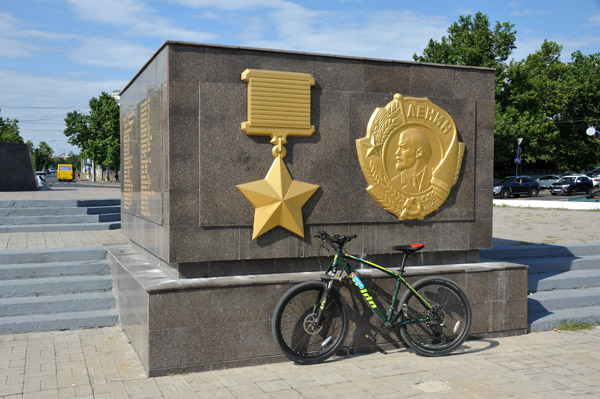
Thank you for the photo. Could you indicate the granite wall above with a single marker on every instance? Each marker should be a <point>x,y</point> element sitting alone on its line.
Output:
<point>184,153</point>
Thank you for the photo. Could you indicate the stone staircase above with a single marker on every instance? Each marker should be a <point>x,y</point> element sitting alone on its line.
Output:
<point>563,281</point>
<point>59,215</point>
<point>55,289</point>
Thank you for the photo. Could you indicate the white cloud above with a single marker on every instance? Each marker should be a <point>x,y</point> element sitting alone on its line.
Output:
<point>22,93</point>
<point>135,17</point>
<point>595,19</point>
<point>110,53</point>
<point>15,40</point>
<point>11,48</point>
<point>528,13</point>
<point>233,5</point>
<point>383,34</point>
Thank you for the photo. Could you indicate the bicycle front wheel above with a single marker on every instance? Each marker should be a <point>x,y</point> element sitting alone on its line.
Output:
<point>446,326</point>
<point>300,338</point>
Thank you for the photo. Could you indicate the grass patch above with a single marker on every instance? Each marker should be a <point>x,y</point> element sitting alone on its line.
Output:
<point>574,325</point>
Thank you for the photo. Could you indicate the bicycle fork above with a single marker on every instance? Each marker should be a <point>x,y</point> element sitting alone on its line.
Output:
<point>323,302</point>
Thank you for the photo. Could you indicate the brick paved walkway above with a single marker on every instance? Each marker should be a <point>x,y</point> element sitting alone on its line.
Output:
<point>100,363</point>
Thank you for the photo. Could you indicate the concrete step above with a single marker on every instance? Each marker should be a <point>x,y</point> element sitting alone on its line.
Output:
<point>49,255</point>
<point>557,265</point>
<point>509,253</point>
<point>95,210</point>
<point>549,301</point>
<point>565,280</point>
<point>99,202</point>
<point>54,269</point>
<point>58,321</point>
<point>550,320</point>
<point>61,227</point>
<point>48,304</point>
<point>58,203</point>
<point>59,219</point>
<point>54,286</point>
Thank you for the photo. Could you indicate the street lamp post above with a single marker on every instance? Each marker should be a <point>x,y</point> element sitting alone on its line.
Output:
<point>518,157</point>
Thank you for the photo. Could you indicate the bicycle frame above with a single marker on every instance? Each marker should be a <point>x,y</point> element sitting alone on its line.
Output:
<point>340,262</point>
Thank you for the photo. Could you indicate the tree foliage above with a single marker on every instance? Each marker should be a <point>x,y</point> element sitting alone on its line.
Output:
<point>9,131</point>
<point>541,99</point>
<point>550,104</point>
<point>43,156</point>
<point>470,41</point>
<point>97,134</point>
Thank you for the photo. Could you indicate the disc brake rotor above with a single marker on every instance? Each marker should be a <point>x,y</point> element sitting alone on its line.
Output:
<point>310,326</point>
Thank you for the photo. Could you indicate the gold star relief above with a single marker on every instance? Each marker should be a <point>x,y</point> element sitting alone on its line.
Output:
<point>277,200</point>
<point>373,147</point>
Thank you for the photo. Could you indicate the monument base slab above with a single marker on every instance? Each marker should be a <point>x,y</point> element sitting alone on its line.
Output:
<point>196,324</point>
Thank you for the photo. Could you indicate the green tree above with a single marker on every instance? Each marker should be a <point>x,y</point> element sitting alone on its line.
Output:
<point>541,99</point>
<point>9,131</point>
<point>576,150</point>
<point>43,156</point>
<point>97,134</point>
<point>529,101</point>
<point>550,104</point>
<point>472,42</point>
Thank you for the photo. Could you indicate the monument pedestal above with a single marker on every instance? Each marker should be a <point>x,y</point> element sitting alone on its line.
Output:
<point>196,288</point>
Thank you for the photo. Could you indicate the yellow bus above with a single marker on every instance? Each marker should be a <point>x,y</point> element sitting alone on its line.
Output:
<point>65,172</point>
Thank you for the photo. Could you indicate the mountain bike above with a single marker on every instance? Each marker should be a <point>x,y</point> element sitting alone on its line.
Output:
<point>310,321</point>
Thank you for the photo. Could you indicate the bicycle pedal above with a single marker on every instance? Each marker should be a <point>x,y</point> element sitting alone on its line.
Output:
<point>372,338</point>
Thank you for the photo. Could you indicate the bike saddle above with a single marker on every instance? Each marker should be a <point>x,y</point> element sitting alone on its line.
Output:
<point>408,249</point>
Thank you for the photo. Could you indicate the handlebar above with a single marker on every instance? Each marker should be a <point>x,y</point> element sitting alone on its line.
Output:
<point>336,241</point>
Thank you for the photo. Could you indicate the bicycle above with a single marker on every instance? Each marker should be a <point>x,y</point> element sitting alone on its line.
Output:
<point>310,321</point>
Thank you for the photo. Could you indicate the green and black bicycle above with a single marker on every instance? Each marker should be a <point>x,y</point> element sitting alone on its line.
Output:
<point>311,319</point>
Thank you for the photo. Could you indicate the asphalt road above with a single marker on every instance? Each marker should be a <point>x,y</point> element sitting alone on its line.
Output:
<point>545,195</point>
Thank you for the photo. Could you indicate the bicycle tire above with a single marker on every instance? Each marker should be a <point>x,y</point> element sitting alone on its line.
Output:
<point>301,341</point>
<point>436,338</point>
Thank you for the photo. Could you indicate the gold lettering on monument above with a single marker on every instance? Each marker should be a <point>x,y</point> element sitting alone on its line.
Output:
<point>411,156</point>
<point>145,159</point>
<point>128,122</point>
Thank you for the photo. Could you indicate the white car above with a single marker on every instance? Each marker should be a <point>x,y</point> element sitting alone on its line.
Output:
<point>546,181</point>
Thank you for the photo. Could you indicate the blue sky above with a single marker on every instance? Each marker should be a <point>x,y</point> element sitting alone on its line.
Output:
<point>57,54</point>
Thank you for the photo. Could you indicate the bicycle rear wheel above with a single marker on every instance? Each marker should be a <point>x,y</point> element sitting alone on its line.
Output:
<point>447,325</point>
<point>300,339</point>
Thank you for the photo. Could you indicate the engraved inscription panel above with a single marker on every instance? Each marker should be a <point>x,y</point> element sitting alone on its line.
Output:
<point>128,124</point>
<point>150,156</point>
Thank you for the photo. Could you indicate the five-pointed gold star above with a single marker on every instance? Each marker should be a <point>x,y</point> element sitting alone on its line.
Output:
<point>277,200</point>
<point>373,147</point>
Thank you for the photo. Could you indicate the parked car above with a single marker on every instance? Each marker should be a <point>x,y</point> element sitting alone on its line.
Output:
<point>46,172</point>
<point>546,181</point>
<point>52,170</point>
<point>595,179</point>
<point>39,177</point>
<point>512,185</point>
<point>594,171</point>
<point>572,184</point>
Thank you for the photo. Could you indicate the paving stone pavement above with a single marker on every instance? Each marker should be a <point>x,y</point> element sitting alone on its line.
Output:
<point>100,363</point>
